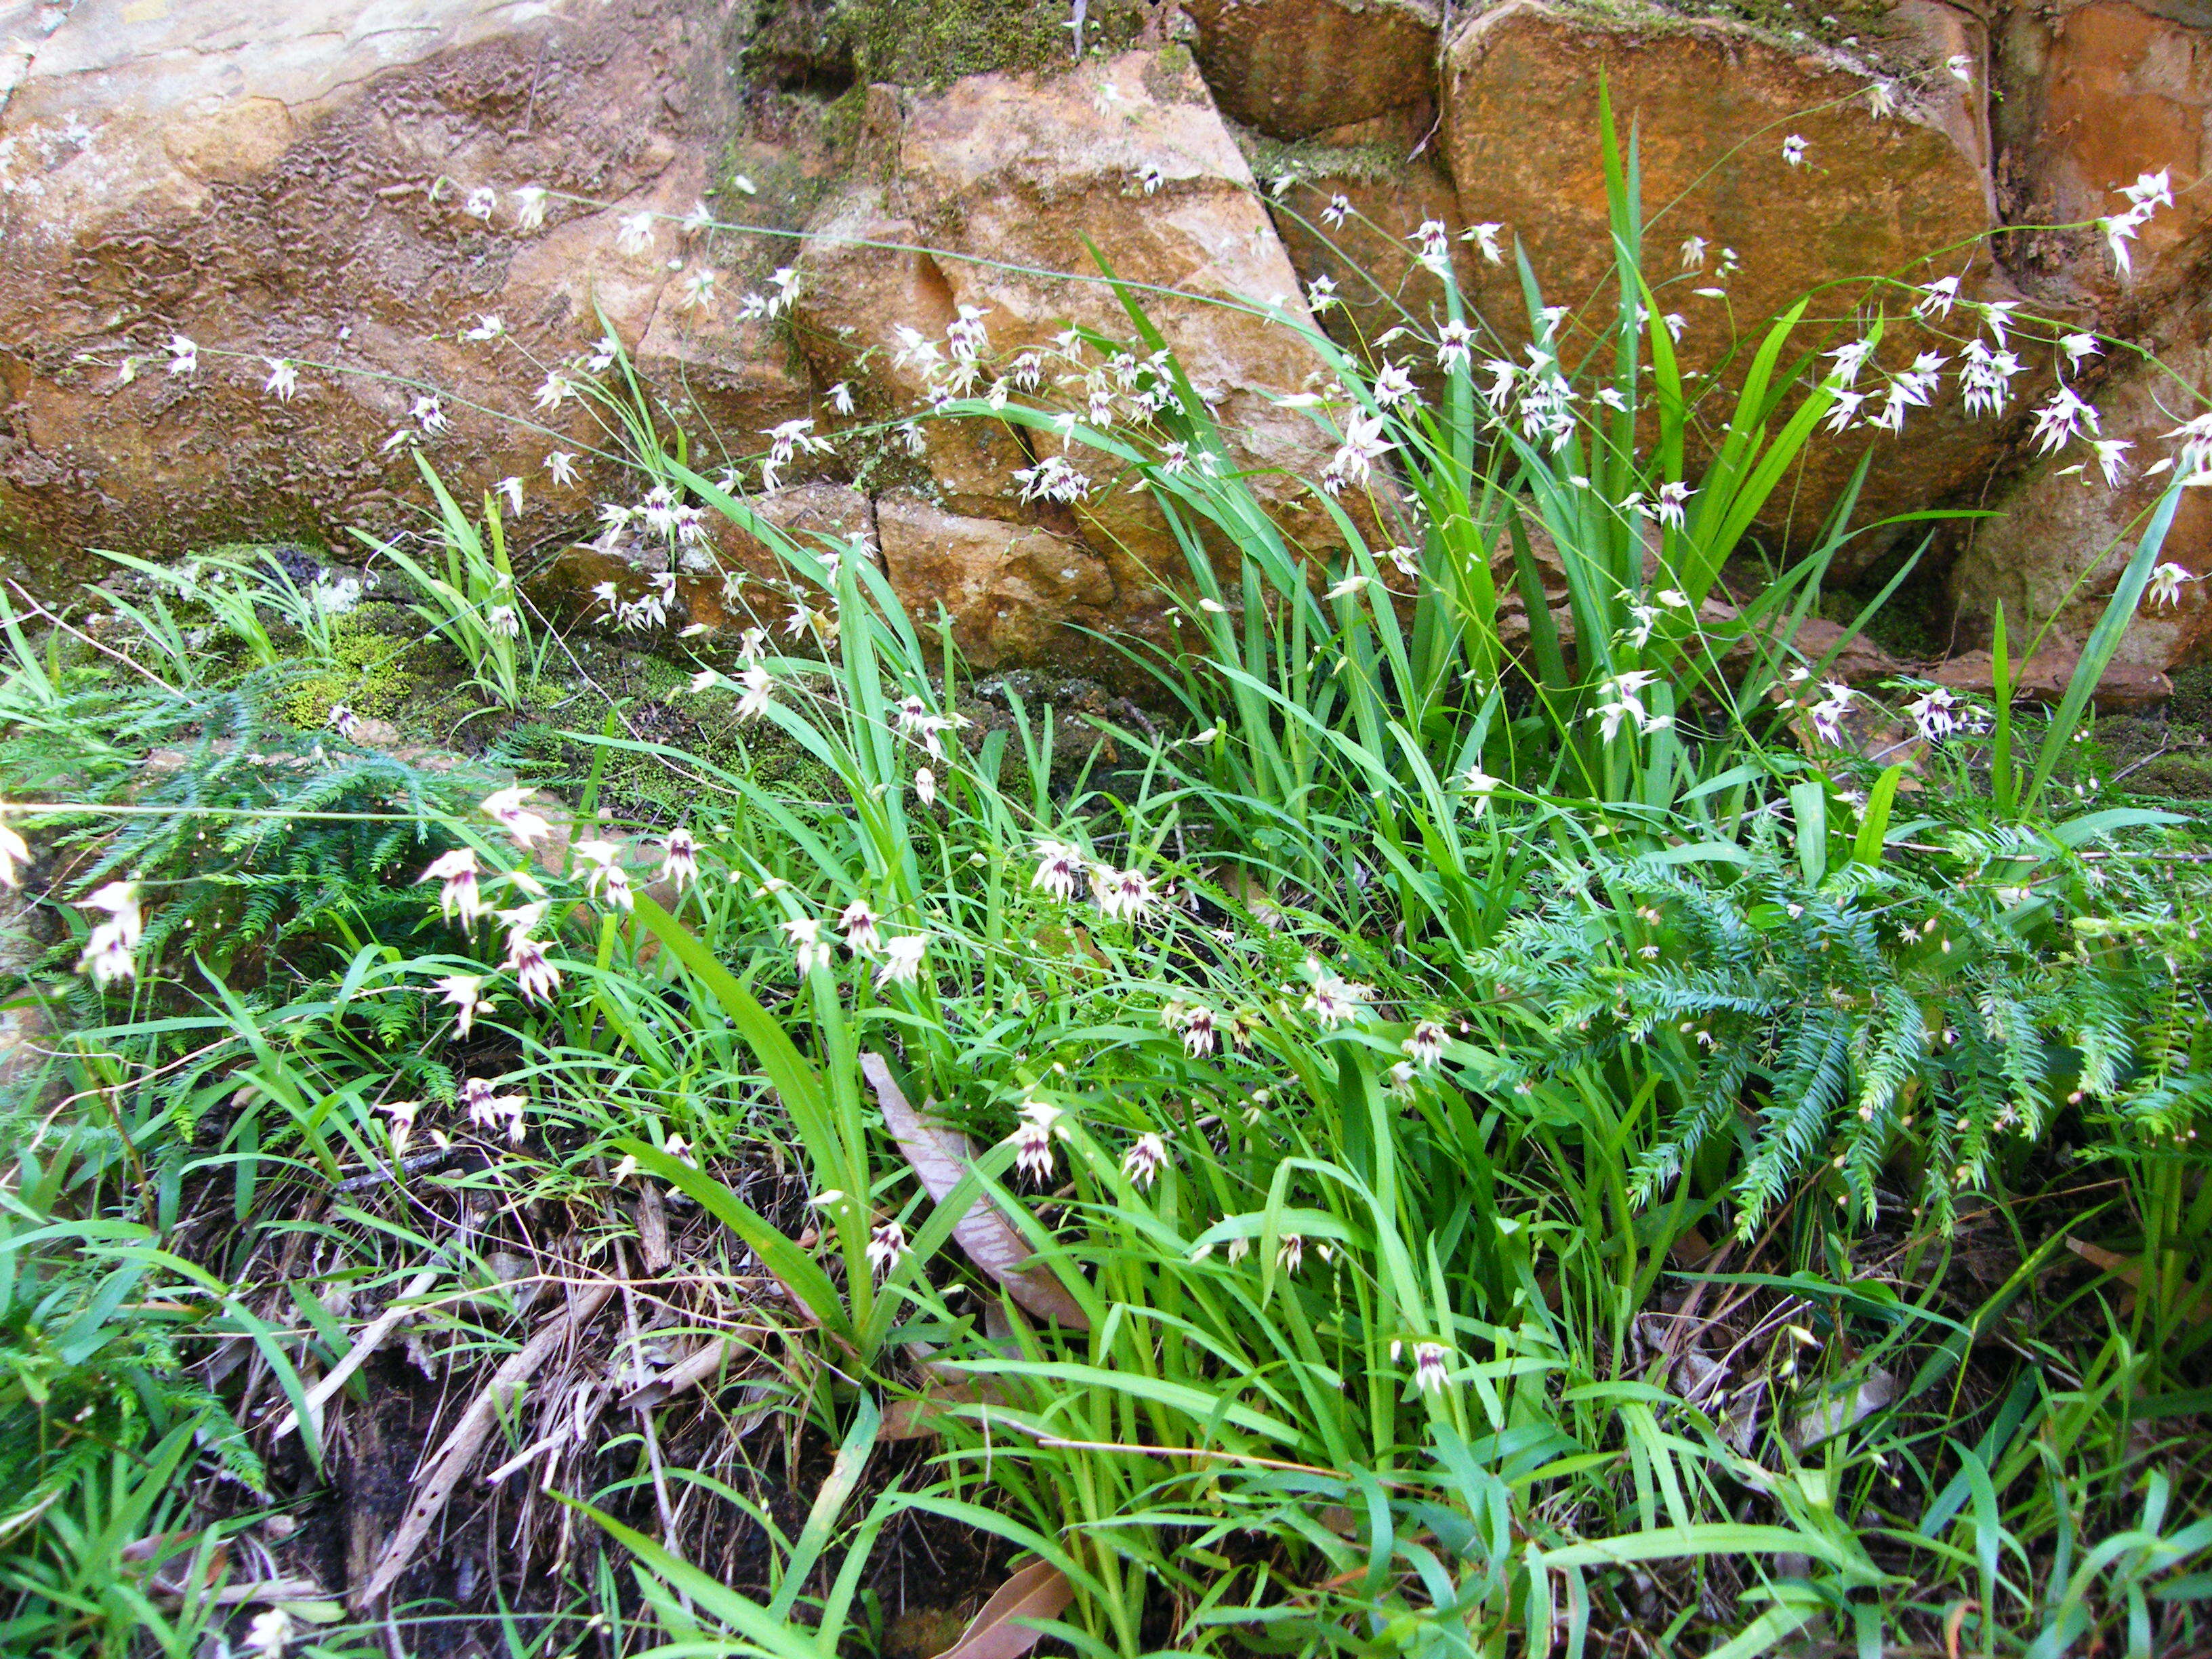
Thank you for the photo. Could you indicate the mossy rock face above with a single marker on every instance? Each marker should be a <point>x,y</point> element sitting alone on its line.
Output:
<point>929,45</point>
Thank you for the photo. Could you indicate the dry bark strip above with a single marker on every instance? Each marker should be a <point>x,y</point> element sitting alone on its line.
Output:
<point>461,1446</point>
<point>941,1158</point>
<point>370,1340</point>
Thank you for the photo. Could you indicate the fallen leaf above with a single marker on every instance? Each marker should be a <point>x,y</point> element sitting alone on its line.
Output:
<point>917,1418</point>
<point>1038,1591</point>
<point>1842,1409</point>
<point>2195,1303</point>
<point>941,1158</point>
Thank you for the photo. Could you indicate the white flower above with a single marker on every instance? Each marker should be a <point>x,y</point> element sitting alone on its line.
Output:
<point>1827,715</point>
<point>887,1245</point>
<point>2164,587</point>
<point>488,327</point>
<point>635,234</point>
<point>184,353</point>
<point>2109,451</point>
<point>1052,479</point>
<point>529,206</point>
<point>698,289</point>
<point>535,977</point>
<point>2078,346</point>
<point>14,850</point>
<point>1934,714</point>
<point>1200,1034</point>
<point>1333,1001</point>
<point>840,398</point>
<point>1426,1044</point>
<point>2119,230</point>
<point>1961,68</point>
<point>758,685</point>
<point>925,785</point>
<point>1144,1161</point>
<point>1291,1252</point>
<point>1985,379</point>
<point>1793,150</point>
<point>603,354</point>
<point>108,951</point>
<point>461,894</point>
<point>1123,895</point>
<point>464,992</point>
<point>1151,177</point>
<point>283,380</point>
<point>858,926</point>
<point>1672,505</point>
<point>1849,358</point>
<point>1059,867</point>
<point>607,880</point>
<point>698,219</point>
<point>1694,253</point>
<point>479,201</point>
<point>2195,437</point>
<point>1454,345</point>
<point>271,1631</point>
<point>1040,1127</point>
<point>1881,100</point>
<point>561,463</point>
<point>1394,386</point>
<point>430,415</point>
<point>902,960</point>
<point>1429,1363</point>
<point>1364,444</point>
<point>1347,588</point>
<point>809,949</point>
<point>403,1120</point>
<point>1321,293</point>
<point>2150,190</point>
<point>1435,245</point>
<point>487,1109</point>
<point>552,391</point>
<point>1338,209</point>
<point>505,807</point>
<point>679,859</point>
<point>2059,420</point>
<point>1479,784</point>
<point>106,956</point>
<point>1936,298</point>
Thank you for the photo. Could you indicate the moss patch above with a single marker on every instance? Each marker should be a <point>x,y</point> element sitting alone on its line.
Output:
<point>1271,159</point>
<point>927,45</point>
<point>370,672</point>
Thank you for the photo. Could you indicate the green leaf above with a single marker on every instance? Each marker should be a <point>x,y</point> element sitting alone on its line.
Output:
<point>777,1252</point>
<point>1874,818</point>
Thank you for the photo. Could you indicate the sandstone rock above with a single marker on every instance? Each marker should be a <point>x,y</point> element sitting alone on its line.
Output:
<point>1711,103</point>
<point>2062,536</point>
<point>1293,68</point>
<point>2096,95</point>
<point>1012,591</point>
<point>1371,257</point>
<point>335,187</point>
<point>1011,181</point>
<point>2125,688</point>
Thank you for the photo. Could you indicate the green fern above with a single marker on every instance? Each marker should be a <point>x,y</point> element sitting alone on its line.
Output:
<point>1885,1011</point>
